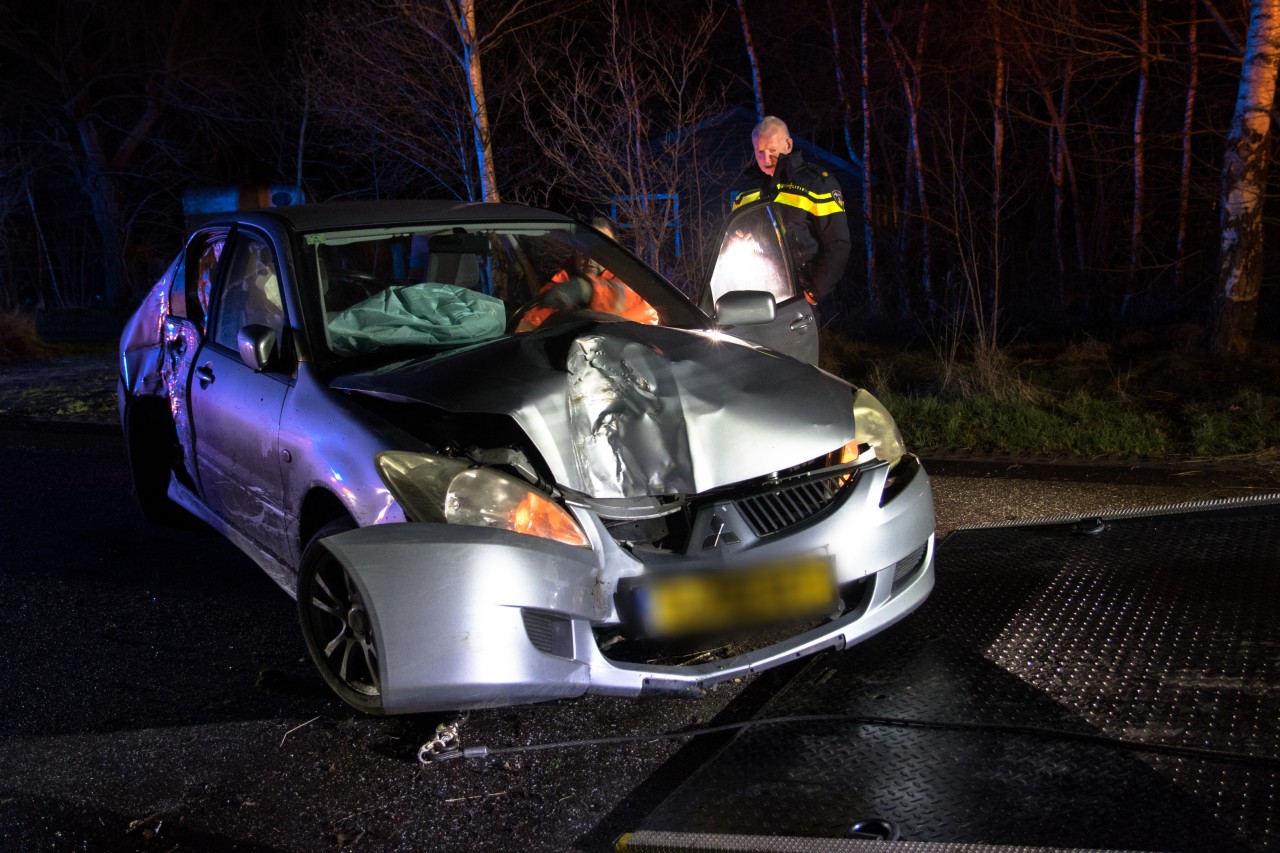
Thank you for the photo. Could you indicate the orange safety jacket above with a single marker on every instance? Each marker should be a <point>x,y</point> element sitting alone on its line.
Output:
<point>607,294</point>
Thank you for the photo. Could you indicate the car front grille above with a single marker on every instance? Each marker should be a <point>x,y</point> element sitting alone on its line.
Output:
<point>782,508</point>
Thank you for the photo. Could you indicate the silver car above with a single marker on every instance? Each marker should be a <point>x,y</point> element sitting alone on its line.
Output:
<point>499,460</point>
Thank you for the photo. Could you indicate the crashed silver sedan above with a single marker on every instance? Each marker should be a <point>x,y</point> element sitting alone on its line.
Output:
<point>499,460</point>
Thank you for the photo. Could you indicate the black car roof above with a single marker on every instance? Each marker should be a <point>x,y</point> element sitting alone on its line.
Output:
<point>375,214</point>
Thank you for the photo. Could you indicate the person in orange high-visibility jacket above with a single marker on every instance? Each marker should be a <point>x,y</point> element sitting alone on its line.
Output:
<point>811,205</point>
<point>591,286</point>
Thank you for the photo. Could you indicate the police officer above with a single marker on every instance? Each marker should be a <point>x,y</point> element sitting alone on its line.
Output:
<point>811,204</point>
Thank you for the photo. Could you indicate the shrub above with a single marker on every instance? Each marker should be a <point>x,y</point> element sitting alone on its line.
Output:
<point>18,337</point>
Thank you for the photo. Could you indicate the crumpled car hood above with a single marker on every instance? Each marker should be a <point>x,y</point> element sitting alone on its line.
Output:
<point>623,410</point>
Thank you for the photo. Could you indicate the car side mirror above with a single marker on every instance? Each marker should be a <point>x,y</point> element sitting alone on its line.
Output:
<point>746,308</point>
<point>256,343</point>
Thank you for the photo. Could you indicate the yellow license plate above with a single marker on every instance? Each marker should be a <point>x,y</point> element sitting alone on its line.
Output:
<point>713,601</point>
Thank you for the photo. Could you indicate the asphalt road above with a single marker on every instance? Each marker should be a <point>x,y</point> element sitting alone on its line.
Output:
<point>158,695</point>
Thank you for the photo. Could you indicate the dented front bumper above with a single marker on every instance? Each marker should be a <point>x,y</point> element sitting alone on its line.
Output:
<point>468,617</point>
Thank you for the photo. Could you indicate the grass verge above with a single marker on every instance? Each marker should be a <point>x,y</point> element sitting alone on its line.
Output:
<point>1151,395</point>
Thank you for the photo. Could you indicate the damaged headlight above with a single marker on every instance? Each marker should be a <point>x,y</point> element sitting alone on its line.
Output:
<point>436,488</point>
<point>874,426</point>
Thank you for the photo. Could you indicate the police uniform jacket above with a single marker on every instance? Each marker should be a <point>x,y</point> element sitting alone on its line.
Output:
<point>812,210</point>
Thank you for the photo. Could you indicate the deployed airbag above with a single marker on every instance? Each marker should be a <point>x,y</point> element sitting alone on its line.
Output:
<point>415,314</point>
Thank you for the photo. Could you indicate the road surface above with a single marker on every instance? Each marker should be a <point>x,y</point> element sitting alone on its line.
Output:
<point>158,692</point>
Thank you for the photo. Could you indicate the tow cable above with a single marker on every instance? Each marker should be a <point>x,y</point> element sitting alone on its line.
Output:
<point>446,745</point>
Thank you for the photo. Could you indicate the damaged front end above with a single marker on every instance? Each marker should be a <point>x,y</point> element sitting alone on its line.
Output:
<point>664,495</point>
<point>620,410</point>
<point>469,616</point>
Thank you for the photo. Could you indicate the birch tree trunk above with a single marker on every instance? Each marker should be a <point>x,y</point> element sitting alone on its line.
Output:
<point>464,17</point>
<point>1068,162</point>
<point>1061,164</point>
<point>997,169</point>
<point>1244,181</point>
<point>1057,171</point>
<point>302,135</point>
<point>909,77</point>
<point>925,217</point>
<point>868,228</point>
<point>1139,153</point>
<point>1184,185</point>
<point>755,65</point>
<point>842,88</point>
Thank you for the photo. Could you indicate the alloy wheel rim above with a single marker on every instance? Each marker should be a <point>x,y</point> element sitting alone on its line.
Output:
<point>343,631</point>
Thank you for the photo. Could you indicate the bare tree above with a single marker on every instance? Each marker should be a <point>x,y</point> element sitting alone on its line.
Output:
<point>972,316</point>
<point>462,14</point>
<point>997,153</point>
<point>751,57</point>
<point>842,87</point>
<point>1244,180</point>
<point>1139,152</point>
<point>874,301</point>
<point>79,60</point>
<point>618,123</point>
<point>132,101</point>
<point>1063,170</point>
<point>15,195</point>
<point>908,69</point>
<point>1188,118</point>
<point>1034,71</point>
<point>404,81</point>
<point>1226,29</point>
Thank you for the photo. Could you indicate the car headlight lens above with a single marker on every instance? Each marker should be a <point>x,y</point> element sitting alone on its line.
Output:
<point>436,488</point>
<point>874,426</point>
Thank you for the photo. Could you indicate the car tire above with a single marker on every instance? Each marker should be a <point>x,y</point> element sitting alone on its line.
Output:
<point>336,624</point>
<point>152,445</point>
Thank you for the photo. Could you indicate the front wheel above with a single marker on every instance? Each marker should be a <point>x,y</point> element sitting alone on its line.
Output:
<point>338,626</point>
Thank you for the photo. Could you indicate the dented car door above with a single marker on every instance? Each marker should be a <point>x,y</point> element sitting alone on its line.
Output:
<point>235,407</point>
<point>183,336</point>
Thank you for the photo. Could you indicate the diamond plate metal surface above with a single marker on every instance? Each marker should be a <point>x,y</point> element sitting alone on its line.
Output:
<point>680,842</point>
<point>1113,689</point>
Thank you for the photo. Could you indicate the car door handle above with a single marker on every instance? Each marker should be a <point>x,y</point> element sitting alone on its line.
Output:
<point>205,372</point>
<point>799,324</point>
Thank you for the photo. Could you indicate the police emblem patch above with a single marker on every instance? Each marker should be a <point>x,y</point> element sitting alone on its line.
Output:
<point>838,197</point>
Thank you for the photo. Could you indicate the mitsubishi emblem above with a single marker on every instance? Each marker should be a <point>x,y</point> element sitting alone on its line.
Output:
<point>720,533</point>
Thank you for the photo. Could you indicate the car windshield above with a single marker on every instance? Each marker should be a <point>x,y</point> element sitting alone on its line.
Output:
<point>449,285</point>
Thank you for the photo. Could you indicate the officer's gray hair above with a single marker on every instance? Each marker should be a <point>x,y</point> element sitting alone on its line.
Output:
<point>770,124</point>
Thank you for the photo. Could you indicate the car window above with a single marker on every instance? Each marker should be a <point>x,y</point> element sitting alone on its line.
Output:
<point>752,257</point>
<point>191,289</point>
<point>250,293</point>
<point>452,285</point>
<point>177,295</point>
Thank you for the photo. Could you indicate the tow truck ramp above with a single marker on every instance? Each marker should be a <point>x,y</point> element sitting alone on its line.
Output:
<point>1105,682</point>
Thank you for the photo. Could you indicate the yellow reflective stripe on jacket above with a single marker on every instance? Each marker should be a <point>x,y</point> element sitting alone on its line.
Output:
<point>818,205</point>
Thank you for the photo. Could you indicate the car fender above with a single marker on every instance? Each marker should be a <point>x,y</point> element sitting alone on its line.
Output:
<point>448,605</point>
<point>328,442</point>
